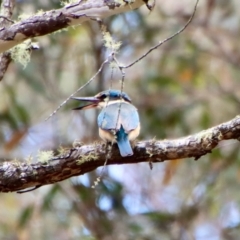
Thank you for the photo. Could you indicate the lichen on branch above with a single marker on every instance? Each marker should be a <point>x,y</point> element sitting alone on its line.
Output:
<point>86,158</point>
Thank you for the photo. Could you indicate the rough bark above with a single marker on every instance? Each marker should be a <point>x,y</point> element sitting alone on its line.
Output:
<point>15,176</point>
<point>71,15</point>
<point>7,7</point>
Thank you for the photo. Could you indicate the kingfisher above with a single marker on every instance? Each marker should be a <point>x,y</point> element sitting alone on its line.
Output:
<point>118,120</point>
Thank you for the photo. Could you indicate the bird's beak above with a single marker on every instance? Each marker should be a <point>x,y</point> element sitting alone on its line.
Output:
<point>93,102</point>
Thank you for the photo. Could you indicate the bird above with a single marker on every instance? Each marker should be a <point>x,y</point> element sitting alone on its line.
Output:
<point>118,120</point>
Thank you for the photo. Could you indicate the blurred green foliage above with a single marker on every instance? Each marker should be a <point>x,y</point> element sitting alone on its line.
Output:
<point>189,84</point>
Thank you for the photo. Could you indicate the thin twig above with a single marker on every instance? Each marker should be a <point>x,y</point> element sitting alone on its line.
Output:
<point>5,18</point>
<point>79,89</point>
<point>165,40</point>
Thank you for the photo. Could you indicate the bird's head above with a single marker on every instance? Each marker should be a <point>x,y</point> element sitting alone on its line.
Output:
<point>103,99</point>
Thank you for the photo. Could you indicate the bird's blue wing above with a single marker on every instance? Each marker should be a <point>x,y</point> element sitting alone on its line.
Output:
<point>113,118</point>
<point>120,118</point>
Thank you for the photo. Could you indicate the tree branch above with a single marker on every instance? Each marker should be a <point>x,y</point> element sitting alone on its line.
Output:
<point>16,176</point>
<point>7,9</point>
<point>71,15</point>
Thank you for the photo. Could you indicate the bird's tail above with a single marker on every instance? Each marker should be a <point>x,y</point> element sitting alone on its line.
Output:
<point>123,143</point>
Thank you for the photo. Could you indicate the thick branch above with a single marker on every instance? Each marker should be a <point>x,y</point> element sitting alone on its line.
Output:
<point>71,15</point>
<point>80,160</point>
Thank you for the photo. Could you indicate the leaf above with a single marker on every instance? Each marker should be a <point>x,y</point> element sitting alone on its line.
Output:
<point>25,216</point>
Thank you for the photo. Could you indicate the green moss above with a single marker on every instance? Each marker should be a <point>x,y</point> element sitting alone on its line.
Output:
<point>86,158</point>
<point>109,42</point>
<point>21,53</point>
<point>44,156</point>
<point>68,2</point>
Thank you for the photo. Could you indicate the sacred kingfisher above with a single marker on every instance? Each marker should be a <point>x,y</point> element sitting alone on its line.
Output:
<point>118,120</point>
